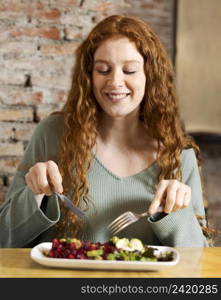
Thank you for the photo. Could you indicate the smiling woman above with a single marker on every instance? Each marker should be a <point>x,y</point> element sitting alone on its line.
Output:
<point>118,77</point>
<point>117,145</point>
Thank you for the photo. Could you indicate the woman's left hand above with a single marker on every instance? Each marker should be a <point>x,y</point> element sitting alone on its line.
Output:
<point>171,195</point>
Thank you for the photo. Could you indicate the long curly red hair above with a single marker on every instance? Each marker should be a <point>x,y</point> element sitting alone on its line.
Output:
<point>159,111</point>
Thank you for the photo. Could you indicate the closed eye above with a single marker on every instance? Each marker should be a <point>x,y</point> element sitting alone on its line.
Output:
<point>108,71</point>
<point>103,72</point>
<point>129,72</point>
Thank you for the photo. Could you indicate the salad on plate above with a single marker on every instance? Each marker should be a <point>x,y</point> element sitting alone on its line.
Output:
<point>116,249</point>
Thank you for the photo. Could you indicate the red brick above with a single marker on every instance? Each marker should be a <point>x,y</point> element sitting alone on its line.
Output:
<point>16,6</point>
<point>47,96</point>
<point>22,114</point>
<point>48,33</point>
<point>104,6</point>
<point>51,15</point>
<point>20,48</point>
<point>32,96</point>
<point>148,6</point>
<point>36,10</point>
<point>9,165</point>
<point>49,80</point>
<point>107,6</point>
<point>20,96</point>
<point>76,18</point>
<point>53,96</point>
<point>10,149</point>
<point>64,3</point>
<point>63,49</point>
<point>16,131</point>
<point>74,33</point>
<point>61,96</point>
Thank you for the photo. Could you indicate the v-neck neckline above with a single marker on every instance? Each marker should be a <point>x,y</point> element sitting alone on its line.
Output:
<point>152,165</point>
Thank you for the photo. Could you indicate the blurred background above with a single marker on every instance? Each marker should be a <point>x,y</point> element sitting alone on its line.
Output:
<point>38,40</point>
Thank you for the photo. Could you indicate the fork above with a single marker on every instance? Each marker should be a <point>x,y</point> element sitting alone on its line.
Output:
<point>125,220</point>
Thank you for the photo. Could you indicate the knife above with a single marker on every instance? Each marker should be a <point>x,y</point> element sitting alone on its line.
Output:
<point>70,205</point>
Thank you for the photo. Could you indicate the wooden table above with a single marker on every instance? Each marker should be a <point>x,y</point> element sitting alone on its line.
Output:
<point>194,262</point>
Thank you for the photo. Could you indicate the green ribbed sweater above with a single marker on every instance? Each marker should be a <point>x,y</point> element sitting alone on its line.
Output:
<point>24,224</point>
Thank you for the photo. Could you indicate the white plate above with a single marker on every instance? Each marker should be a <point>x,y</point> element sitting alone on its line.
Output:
<point>38,256</point>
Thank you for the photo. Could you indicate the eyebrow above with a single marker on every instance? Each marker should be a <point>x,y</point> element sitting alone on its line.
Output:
<point>125,61</point>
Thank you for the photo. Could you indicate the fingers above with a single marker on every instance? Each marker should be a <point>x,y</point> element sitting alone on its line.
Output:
<point>33,186</point>
<point>187,197</point>
<point>54,176</point>
<point>178,196</point>
<point>172,194</point>
<point>179,201</point>
<point>44,178</point>
<point>171,198</point>
<point>158,198</point>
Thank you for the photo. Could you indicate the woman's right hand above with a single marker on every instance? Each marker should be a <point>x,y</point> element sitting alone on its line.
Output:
<point>44,178</point>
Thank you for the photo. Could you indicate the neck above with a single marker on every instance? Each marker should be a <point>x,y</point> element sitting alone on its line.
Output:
<point>120,132</point>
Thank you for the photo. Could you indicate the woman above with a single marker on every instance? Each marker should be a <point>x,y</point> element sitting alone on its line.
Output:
<point>117,145</point>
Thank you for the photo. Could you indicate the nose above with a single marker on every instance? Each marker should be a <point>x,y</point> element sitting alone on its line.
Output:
<point>115,78</point>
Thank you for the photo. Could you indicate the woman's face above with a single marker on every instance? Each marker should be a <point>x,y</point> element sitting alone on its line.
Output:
<point>118,77</point>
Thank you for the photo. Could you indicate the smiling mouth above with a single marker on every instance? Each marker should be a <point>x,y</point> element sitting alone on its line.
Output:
<point>117,96</point>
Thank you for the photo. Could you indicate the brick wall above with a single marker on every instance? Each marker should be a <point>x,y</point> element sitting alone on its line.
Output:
<point>37,45</point>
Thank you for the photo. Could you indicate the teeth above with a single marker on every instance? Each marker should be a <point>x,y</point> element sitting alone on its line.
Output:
<point>117,96</point>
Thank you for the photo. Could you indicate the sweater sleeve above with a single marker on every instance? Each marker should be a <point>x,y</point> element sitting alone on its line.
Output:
<point>21,219</point>
<point>181,228</point>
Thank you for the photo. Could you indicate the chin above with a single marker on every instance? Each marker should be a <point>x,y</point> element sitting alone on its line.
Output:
<point>118,114</point>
